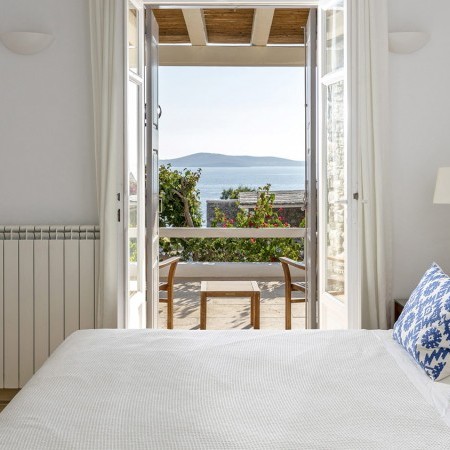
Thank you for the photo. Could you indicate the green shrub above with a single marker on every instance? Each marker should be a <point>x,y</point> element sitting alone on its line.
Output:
<point>233,193</point>
<point>181,207</point>
<point>256,250</point>
<point>180,197</point>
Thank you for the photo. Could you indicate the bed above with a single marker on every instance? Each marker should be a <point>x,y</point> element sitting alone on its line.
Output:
<point>142,389</point>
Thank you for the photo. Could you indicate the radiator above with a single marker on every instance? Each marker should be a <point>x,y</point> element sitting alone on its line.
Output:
<point>48,285</point>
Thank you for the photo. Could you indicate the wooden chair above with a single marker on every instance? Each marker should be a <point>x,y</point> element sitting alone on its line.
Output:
<point>168,287</point>
<point>290,287</point>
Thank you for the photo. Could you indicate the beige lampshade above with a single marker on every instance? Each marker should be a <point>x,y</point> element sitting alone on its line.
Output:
<point>442,190</point>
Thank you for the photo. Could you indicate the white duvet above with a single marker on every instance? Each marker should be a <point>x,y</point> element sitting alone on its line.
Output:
<point>115,389</point>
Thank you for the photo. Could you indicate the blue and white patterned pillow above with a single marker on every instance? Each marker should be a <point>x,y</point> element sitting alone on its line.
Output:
<point>423,328</point>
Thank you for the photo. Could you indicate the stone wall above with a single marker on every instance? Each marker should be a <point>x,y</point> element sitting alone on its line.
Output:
<point>229,207</point>
<point>335,160</point>
<point>293,216</point>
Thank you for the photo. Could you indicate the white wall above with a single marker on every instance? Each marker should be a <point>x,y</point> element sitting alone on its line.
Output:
<point>420,142</point>
<point>46,133</point>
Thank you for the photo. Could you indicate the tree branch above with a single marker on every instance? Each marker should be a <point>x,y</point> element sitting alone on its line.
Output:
<point>186,209</point>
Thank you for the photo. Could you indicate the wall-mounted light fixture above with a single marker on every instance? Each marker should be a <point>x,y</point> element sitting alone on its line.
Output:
<point>26,42</point>
<point>407,41</point>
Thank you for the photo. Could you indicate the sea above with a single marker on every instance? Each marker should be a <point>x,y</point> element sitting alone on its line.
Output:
<point>215,179</point>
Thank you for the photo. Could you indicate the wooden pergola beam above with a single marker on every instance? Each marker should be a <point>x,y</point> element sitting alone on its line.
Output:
<point>231,56</point>
<point>195,25</point>
<point>262,23</point>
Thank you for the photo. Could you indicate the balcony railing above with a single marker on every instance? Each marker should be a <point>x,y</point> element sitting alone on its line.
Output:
<point>231,270</point>
<point>218,232</point>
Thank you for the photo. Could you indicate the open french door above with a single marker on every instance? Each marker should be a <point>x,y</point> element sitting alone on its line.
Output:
<point>339,293</point>
<point>311,168</point>
<point>152,170</point>
<point>134,169</point>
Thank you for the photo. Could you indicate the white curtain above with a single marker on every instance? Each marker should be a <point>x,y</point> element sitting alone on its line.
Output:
<point>107,66</point>
<point>370,84</point>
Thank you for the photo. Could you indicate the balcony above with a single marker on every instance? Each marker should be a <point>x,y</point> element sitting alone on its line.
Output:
<point>231,313</point>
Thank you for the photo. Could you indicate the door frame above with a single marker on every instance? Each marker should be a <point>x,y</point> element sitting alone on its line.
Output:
<point>123,216</point>
<point>151,33</point>
<point>232,4</point>
<point>352,280</point>
<point>311,166</point>
<point>244,4</point>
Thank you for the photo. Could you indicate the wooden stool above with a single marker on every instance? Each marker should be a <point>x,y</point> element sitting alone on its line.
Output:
<point>231,289</point>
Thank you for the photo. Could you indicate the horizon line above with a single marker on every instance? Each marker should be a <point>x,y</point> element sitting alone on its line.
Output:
<point>233,156</point>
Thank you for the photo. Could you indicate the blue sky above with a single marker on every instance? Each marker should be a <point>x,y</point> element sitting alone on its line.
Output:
<point>232,110</point>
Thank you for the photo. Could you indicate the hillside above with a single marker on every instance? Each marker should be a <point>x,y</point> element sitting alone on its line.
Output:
<point>218,160</point>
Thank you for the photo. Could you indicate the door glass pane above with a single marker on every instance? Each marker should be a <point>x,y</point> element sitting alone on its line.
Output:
<point>334,58</point>
<point>133,189</point>
<point>133,39</point>
<point>335,174</point>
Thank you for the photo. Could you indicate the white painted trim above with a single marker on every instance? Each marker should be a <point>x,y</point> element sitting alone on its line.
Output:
<point>152,186</point>
<point>230,270</point>
<point>233,4</point>
<point>278,206</point>
<point>333,77</point>
<point>333,313</point>
<point>195,24</point>
<point>138,80</point>
<point>354,233</point>
<point>232,56</point>
<point>122,168</point>
<point>187,233</point>
<point>262,23</point>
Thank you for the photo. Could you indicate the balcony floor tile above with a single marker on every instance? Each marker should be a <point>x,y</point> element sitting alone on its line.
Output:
<point>231,313</point>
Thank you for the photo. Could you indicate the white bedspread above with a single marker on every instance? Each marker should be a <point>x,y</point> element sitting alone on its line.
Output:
<point>112,389</point>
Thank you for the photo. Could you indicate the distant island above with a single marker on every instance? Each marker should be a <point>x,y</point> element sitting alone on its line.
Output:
<point>218,160</point>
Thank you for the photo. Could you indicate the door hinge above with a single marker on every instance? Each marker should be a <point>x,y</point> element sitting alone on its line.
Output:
<point>118,215</point>
<point>356,196</point>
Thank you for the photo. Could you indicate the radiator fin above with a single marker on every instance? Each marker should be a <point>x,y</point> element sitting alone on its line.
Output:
<point>11,312</point>
<point>26,311</point>
<point>56,293</point>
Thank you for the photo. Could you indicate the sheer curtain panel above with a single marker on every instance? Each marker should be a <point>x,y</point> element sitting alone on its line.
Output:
<point>107,59</point>
<point>370,85</point>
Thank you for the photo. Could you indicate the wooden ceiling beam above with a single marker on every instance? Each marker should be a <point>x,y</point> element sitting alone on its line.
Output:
<point>195,24</point>
<point>262,23</point>
<point>231,56</point>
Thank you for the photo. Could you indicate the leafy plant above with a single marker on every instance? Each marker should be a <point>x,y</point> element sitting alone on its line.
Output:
<point>233,193</point>
<point>262,249</point>
<point>229,249</point>
<point>180,197</point>
<point>180,207</point>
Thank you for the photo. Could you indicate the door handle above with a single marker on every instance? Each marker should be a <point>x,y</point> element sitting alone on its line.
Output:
<point>159,112</point>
